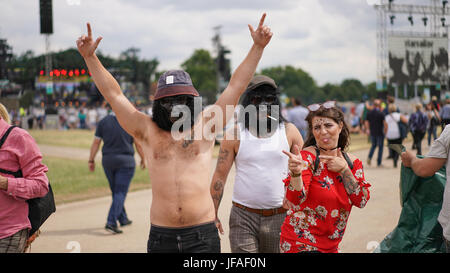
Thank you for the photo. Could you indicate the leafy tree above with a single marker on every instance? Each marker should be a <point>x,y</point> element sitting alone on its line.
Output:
<point>202,69</point>
<point>294,82</point>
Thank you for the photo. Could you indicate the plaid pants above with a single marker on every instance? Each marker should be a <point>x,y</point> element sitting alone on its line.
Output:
<point>14,243</point>
<point>254,233</point>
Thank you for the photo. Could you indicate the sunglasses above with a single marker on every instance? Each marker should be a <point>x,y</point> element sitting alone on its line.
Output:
<point>326,105</point>
<point>257,99</point>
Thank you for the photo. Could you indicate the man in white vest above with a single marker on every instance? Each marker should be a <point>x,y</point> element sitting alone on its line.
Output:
<point>255,145</point>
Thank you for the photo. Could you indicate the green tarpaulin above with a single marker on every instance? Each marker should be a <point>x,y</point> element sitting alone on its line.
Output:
<point>418,230</point>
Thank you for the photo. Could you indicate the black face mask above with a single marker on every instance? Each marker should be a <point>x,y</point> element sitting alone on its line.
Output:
<point>264,100</point>
<point>162,110</point>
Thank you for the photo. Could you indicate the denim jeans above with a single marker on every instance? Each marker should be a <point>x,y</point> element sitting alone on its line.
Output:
<point>119,181</point>
<point>377,141</point>
<point>432,131</point>
<point>417,137</point>
<point>197,239</point>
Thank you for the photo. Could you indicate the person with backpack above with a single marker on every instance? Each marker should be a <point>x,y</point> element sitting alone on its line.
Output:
<point>18,152</point>
<point>393,131</point>
<point>418,122</point>
<point>323,185</point>
<point>434,121</point>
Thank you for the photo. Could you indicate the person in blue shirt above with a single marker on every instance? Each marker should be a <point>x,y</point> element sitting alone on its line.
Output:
<point>118,164</point>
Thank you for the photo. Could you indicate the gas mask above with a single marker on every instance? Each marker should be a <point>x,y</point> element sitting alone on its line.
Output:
<point>267,105</point>
<point>168,110</point>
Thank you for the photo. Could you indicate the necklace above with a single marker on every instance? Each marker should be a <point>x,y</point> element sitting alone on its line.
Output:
<point>327,150</point>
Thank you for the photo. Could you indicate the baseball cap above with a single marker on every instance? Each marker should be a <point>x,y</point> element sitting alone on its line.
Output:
<point>175,82</point>
<point>259,80</point>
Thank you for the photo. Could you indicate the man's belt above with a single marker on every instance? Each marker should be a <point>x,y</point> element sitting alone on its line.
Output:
<point>263,212</point>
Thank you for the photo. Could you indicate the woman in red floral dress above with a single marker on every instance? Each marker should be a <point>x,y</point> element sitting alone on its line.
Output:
<point>323,185</point>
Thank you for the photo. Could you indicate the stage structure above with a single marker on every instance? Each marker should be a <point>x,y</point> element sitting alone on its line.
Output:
<point>412,46</point>
<point>46,23</point>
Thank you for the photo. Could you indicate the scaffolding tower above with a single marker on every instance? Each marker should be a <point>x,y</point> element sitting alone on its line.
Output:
<point>437,11</point>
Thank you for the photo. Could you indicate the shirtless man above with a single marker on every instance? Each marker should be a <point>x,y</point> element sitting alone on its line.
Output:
<point>182,212</point>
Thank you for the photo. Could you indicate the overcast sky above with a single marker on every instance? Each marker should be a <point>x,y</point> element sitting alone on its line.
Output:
<point>330,39</point>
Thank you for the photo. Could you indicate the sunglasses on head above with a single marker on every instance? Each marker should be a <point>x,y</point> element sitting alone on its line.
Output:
<point>326,105</point>
<point>258,99</point>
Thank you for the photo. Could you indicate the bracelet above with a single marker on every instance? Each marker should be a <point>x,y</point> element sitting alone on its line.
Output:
<point>91,161</point>
<point>295,175</point>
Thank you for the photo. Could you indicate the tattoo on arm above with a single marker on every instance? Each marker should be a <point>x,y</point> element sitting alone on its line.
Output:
<point>350,183</point>
<point>218,192</point>
<point>187,142</point>
<point>223,155</point>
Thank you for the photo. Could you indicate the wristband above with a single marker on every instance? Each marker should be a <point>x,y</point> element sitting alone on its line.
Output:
<point>295,175</point>
<point>91,161</point>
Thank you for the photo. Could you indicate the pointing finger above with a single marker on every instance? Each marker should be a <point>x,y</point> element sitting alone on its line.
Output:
<point>288,154</point>
<point>89,30</point>
<point>261,22</point>
<point>326,157</point>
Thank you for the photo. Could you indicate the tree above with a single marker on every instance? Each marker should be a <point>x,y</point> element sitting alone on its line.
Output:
<point>352,89</point>
<point>135,69</point>
<point>202,69</point>
<point>294,82</point>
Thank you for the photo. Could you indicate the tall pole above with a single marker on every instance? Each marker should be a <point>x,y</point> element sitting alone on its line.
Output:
<point>218,48</point>
<point>48,65</point>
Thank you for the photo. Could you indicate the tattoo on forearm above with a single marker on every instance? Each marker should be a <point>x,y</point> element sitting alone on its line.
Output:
<point>350,183</point>
<point>223,155</point>
<point>218,192</point>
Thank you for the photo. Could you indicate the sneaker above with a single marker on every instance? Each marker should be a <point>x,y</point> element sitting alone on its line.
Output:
<point>126,223</point>
<point>113,229</point>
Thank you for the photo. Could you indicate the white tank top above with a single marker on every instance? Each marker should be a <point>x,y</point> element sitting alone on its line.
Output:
<point>261,167</point>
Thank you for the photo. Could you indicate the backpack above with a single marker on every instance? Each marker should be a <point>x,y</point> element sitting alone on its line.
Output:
<point>39,209</point>
<point>419,122</point>
<point>402,128</point>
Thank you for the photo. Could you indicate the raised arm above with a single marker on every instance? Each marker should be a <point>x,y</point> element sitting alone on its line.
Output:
<point>244,73</point>
<point>128,116</point>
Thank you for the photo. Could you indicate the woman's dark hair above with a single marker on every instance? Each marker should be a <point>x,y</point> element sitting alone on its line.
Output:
<point>161,116</point>
<point>335,114</point>
<point>260,90</point>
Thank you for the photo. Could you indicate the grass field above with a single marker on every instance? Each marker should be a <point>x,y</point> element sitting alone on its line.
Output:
<point>72,181</point>
<point>67,138</point>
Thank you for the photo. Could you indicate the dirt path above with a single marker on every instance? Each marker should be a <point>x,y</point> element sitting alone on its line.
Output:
<point>79,226</point>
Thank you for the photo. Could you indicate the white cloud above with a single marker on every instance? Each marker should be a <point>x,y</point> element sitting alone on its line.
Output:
<point>331,40</point>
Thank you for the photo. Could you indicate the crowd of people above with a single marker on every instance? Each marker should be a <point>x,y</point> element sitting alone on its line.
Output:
<point>308,151</point>
<point>71,115</point>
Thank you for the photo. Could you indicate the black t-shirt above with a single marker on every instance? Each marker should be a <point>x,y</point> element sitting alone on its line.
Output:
<point>118,148</point>
<point>376,118</point>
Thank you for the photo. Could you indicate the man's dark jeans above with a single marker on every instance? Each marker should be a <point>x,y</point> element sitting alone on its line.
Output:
<point>196,239</point>
<point>377,141</point>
